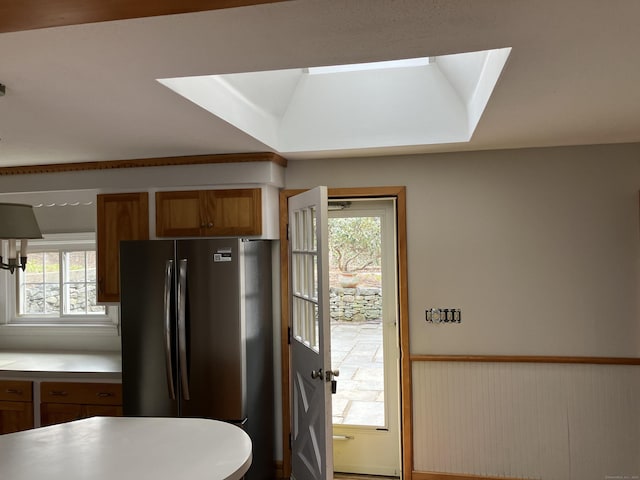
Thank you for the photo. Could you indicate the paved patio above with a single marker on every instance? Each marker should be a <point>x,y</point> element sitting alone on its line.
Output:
<point>356,350</point>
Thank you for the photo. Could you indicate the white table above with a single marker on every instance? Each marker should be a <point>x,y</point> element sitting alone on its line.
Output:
<point>103,448</point>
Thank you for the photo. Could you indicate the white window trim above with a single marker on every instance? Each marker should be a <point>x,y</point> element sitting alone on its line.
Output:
<point>12,324</point>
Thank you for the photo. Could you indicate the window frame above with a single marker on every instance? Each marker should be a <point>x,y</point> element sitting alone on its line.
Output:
<point>61,243</point>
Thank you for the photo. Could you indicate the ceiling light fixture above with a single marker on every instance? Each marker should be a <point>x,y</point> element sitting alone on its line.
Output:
<point>407,62</point>
<point>17,222</point>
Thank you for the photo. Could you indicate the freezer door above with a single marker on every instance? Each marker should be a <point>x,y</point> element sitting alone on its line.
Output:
<point>147,312</point>
<point>212,336</point>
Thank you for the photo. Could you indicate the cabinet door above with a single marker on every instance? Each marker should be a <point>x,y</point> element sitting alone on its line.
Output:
<point>209,213</point>
<point>16,407</point>
<point>121,216</point>
<point>15,416</point>
<point>53,413</point>
<point>179,214</point>
<point>102,411</point>
<point>235,212</point>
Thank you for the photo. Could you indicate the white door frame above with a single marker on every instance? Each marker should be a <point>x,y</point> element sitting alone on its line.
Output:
<point>284,470</point>
<point>368,449</point>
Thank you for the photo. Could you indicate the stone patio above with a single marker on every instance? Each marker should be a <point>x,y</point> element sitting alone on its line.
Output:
<point>356,350</point>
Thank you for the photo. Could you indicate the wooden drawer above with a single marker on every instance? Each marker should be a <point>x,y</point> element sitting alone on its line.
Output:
<point>81,393</point>
<point>16,390</point>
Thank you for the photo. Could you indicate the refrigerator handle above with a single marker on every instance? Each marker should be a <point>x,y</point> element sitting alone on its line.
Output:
<point>167,328</point>
<point>182,330</point>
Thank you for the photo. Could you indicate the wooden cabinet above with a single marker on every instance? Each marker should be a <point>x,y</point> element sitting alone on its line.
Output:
<point>121,216</point>
<point>16,406</point>
<point>205,213</point>
<point>67,401</point>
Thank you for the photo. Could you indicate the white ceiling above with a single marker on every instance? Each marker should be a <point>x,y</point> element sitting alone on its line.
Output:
<point>89,92</point>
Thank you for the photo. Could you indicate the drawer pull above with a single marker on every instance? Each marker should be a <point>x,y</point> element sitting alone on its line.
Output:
<point>104,394</point>
<point>13,391</point>
<point>58,393</point>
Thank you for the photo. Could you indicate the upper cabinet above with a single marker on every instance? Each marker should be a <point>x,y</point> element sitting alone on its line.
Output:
<point>204,213</point>
<point>121,216</point>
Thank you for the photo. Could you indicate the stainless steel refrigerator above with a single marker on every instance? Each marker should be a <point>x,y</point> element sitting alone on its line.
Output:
<point>196,325</point>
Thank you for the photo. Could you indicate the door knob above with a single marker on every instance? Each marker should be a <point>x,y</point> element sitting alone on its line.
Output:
<point>316,374</point>
<point>330,374</point>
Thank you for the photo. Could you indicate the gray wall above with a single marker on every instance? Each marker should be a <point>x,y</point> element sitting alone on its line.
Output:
<point>540,248</point>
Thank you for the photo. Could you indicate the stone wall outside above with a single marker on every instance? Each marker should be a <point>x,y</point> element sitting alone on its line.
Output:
<point>36,301</point>
<point>357,304</point>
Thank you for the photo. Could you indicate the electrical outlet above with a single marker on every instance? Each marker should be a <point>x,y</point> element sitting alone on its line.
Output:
<point>443,315</point>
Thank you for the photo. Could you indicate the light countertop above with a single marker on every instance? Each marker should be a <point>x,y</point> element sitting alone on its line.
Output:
<point>102,448</point>
<point>105,365</point>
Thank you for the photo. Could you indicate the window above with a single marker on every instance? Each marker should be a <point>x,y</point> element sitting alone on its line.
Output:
<point>59,284</point>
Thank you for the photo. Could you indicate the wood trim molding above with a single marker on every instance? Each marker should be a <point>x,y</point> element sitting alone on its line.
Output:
<point>406,399</point>
<point>279,475</point>
<point>405,374</point>
<point>34,14</point>
<point>284,330</point>
<point>145,162</point>
<point>452,476</point>
<point>526,359</point>
<point>368,192</point>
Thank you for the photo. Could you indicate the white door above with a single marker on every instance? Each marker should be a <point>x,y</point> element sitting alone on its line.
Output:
<point>312,455</point>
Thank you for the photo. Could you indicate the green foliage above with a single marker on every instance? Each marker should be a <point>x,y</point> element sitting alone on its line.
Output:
<point>354,243</point>
<point>37,261</point>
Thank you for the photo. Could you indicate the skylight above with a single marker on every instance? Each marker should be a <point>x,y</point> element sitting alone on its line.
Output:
<point>354,67</point>
<point>394,103</point>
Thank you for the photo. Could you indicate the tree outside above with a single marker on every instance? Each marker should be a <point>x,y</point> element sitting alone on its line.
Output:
<point>355,247</point>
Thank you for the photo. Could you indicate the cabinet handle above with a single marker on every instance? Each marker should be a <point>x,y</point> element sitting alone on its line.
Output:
<point>206,225</point>
<point>104,394</point>
<point>58,393</point>
<point>13,391</point>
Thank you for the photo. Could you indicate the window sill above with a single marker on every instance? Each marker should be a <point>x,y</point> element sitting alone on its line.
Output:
<point>44,329</point>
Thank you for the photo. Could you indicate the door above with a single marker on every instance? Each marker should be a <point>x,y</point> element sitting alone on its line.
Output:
<point>179,214</point>
<point>310,337</point>
<point>121,216</point>
<point>211,346</point>
<point>147,302</point>
<point>365,335</point>
<point>236,211</point>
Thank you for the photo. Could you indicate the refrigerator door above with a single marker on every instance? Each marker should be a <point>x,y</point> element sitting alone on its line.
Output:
<point>147,309</point>
<point>211,338</point>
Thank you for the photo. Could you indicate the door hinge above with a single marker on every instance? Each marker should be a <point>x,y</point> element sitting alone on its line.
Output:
<point>289,335</point>
<point>287,231</point>
<point>290,442</point>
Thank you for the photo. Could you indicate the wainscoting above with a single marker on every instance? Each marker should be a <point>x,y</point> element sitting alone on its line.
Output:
<point>577,421</point>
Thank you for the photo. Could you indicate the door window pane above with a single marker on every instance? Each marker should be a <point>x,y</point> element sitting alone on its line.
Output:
<point>304,281</point>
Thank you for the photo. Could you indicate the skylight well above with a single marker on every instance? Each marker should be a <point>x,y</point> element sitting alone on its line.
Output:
<point>407,102</point>
<point>356,67</point>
